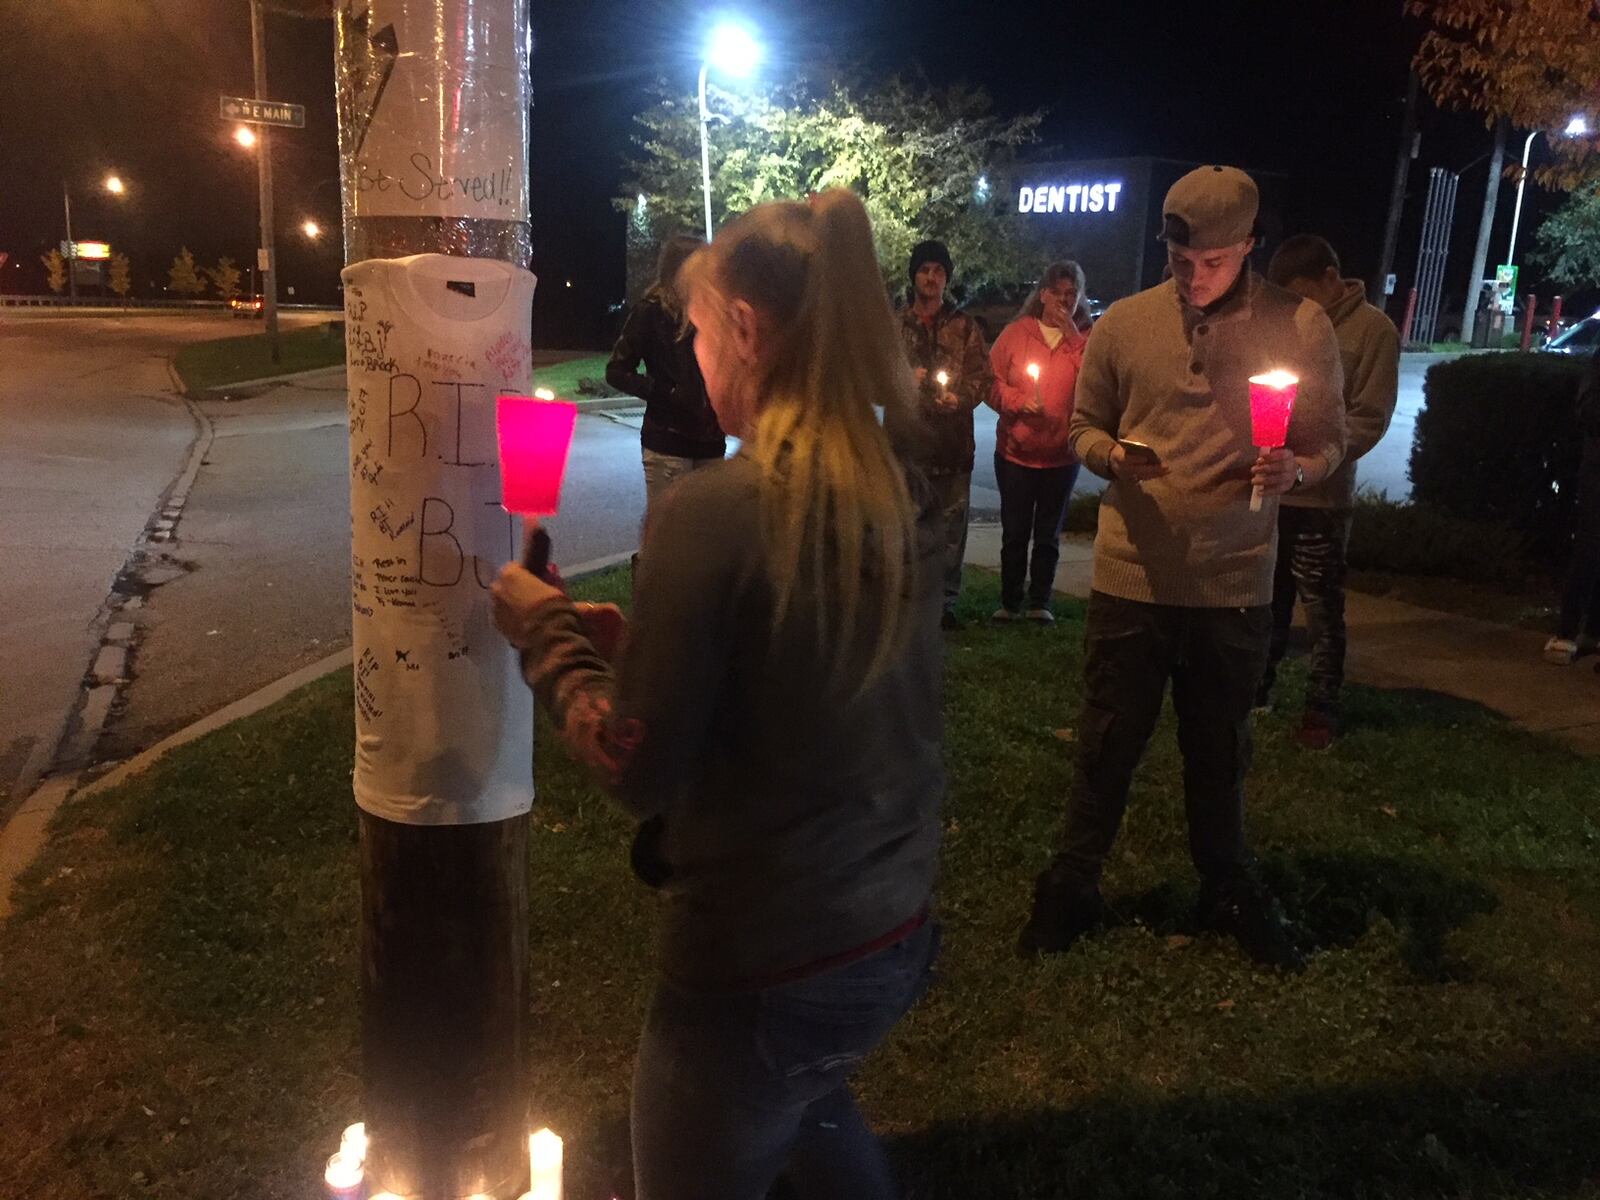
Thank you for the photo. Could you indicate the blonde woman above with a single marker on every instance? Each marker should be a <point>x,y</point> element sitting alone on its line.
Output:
<point>776,712</point>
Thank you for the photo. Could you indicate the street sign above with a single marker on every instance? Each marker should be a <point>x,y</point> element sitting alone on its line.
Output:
<point>1505,287</point>
<point>1389,284</point>
<point>263,112</point>
<point>263,261</point>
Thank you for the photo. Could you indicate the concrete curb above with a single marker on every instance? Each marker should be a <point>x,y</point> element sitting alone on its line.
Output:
<point>24,835</point>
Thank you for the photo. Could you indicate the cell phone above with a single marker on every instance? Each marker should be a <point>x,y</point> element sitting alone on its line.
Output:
<point>1139,452</point>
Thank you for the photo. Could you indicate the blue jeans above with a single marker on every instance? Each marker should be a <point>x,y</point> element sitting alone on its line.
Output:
<point>1033,504</point>
<point>732,1090</point>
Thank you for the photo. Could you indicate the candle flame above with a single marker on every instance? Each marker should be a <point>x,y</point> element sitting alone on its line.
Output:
<point>1033,372</point>
<point>543,394</point>
<point>943,377</point>
<point>1278,379</point>
<point>544,1150</point>
<point>353,1143</point>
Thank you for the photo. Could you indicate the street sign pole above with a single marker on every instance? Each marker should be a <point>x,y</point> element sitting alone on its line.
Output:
<point>72,246</point>
<point>266,255</point>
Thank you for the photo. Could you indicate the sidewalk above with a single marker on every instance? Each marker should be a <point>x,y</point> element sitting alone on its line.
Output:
<point>1397,646</point>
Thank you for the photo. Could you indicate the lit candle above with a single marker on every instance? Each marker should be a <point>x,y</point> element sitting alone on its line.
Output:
<point>1271,404</point>
<point>544,1166</point>
<point>353,1143</point>
<point>344,1177</point>
<point>944,378</point>
<point>1033,374</point>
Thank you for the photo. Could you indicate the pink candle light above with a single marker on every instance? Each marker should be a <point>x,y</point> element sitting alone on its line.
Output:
<point>535,438</point>
<point>1271,405</point>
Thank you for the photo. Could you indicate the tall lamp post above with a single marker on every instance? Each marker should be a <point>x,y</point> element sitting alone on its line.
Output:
<point>114,185</point>
<point>1577,127</point>
<point>733,51</point>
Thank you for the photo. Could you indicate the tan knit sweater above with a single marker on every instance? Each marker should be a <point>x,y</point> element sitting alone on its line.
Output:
<point>1177,379</point>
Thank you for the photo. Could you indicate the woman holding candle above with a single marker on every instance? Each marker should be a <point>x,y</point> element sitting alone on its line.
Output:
<point>778,705</point>
<point>1036,360</point>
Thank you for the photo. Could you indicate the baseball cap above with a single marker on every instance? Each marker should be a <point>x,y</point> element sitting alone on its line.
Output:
<point>1209,208</point>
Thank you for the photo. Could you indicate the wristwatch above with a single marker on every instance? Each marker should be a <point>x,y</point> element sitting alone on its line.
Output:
<point>1299,477</point>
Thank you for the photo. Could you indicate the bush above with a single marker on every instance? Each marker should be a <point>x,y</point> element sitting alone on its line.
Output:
<point>1497,441</point>
<point>1083,513</point>
<point>1420,539</point>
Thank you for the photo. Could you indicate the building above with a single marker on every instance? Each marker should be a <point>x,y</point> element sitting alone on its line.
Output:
<point>1106,214</point>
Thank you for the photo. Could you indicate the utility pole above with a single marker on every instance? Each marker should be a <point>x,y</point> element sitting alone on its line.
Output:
<point>437,306</point>
<point>1410,143</point>
<point>72,246</point>
<point>1480,254</point>
<point>266,254</point>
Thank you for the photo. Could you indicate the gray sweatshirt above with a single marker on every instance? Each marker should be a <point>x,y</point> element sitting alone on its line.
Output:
<point>1369,348</point>
<point>799,825</point>
<point>1161,372</point>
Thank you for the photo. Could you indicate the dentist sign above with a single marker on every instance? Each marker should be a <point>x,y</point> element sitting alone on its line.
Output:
<point>1069,198</point>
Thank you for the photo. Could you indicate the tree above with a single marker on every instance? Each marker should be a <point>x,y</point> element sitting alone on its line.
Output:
<point>55,266</point>
<point>225,278</point>
<point>183,277</point>
<point>121,275</point>
<point>1568,243</point>
<point>1534,62</point>
<point>921,159</point>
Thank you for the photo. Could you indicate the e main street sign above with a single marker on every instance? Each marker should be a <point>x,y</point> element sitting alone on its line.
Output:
<point>263,112</point>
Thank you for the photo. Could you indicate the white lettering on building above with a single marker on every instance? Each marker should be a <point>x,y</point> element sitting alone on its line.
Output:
<point>1069,198</point>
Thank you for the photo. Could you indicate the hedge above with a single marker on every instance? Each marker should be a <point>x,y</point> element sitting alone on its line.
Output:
<point>1497,441</point>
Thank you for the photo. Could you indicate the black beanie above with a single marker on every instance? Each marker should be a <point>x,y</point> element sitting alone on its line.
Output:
<point>927,252</point>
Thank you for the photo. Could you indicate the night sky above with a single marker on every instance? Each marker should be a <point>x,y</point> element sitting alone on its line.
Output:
<point>1310,89</point>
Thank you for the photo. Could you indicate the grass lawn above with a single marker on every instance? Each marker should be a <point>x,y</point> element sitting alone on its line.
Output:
<point>205,365</point>
<point>178,987</point>
<point>562,378</point>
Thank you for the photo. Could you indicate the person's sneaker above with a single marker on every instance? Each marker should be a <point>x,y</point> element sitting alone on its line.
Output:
<point>1317,729</point>
<point>951,623</point>
<point>1561,651</point>
<point>1061,915</point>
<point>1042,615</point>
<point>1244,910</point>
<point>1005,614</point>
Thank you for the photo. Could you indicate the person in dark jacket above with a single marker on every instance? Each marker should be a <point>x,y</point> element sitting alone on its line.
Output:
<point>1579,629</point>
<point>778,703</point>
<point>680,431</point>
<point>946,351</point>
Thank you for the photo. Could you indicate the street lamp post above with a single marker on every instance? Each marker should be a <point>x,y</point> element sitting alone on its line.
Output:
<point>734,52</point>
<point>116,187</point>
<point>1577,127</point>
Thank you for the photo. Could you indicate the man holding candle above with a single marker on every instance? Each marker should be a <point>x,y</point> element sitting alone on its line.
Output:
<point>946,350</point>
<point>1314,522</point>
<point>1183,566</point>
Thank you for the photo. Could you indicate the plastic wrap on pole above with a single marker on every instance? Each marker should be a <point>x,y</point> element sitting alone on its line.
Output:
<point>433,128</point>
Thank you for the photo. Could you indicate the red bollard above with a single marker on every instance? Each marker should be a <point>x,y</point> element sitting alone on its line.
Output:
<point>1527,320</point>
<point>1411,313</point>
<point>1555,319</point>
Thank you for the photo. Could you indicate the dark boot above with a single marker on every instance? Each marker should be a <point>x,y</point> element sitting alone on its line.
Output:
<point>1242,908</point>
<point>1062,913</point>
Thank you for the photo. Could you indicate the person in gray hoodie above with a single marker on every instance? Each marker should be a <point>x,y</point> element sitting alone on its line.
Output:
<point>1182,562</point>
<point>1314,522</point>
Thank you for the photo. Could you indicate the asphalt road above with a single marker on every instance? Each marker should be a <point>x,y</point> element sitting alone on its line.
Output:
<point>91,437</point>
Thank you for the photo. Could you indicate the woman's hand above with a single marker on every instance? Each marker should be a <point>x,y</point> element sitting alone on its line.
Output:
<point>516,595</point>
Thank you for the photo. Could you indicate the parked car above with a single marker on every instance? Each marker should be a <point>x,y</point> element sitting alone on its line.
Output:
<point>245,306</point>
<point>1582,337</point>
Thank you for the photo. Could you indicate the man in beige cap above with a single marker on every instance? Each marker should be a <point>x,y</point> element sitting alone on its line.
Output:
<point>1182,566</point>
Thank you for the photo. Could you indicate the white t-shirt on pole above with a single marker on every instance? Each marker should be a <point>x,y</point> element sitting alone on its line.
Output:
<point>444,722</point>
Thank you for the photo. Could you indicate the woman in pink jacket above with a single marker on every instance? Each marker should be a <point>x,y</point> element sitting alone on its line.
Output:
<point>1036,360</point>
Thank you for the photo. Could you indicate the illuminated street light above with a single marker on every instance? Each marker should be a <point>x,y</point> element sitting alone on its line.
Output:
<point>1577,127</point>
<point>114,185</point>
<point>733,51</point>
<point>245,136</point>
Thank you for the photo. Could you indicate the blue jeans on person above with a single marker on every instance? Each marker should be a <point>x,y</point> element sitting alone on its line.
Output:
<point>733,1090</point>
<point>954,494</point>
<point>1033,504</point>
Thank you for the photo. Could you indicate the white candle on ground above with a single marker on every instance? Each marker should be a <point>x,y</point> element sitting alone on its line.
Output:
<point>544,1164</point>
<point>344,1177</point>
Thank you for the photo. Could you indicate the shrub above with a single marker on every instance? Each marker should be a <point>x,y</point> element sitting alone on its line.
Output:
<point>1497,441</point>
<point>1421,539</point>
<point>1083,513</point>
